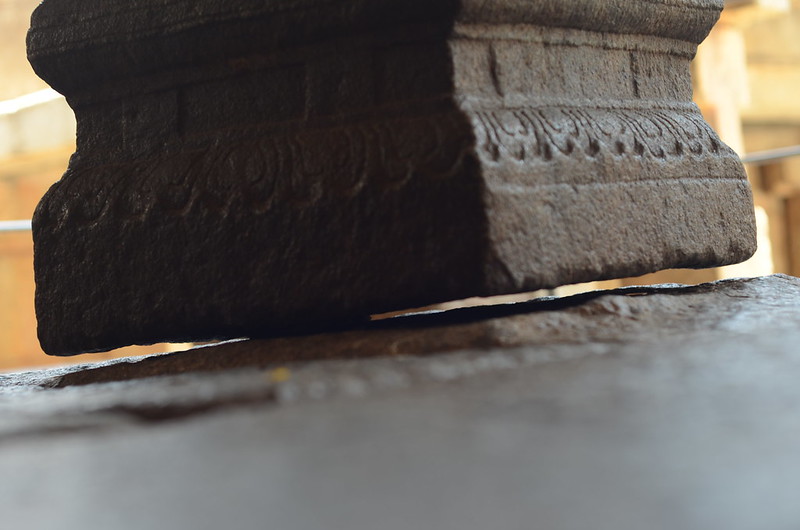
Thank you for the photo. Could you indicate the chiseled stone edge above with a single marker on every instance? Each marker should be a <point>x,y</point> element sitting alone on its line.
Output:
<point>64,37</point>
<point>100,20</point>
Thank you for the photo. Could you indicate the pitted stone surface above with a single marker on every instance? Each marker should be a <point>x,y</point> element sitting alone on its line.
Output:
<point>661,408</point>
<point>248,168</point>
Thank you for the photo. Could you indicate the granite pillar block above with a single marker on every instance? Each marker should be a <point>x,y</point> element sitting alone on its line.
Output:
<point>250,168</point>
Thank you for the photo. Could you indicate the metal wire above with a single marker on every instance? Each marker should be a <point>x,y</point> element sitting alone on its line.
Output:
<point>766,157</point>
<point>15,226</point>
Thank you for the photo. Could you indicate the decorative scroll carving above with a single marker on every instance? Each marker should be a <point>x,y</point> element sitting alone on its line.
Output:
<point>300,169</point>
<point>294,170</point>
<point>530,135</point>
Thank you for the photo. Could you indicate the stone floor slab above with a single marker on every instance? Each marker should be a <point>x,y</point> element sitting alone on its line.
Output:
<point>657,408</point>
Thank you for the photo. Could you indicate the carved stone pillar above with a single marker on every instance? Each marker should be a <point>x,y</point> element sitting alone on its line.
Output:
<point>247,167</point>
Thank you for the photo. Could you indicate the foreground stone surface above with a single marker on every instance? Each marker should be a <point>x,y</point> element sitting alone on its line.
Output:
<point>657,408</point>
<point>244,168</point>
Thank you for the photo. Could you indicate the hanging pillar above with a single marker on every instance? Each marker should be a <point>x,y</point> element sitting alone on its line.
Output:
<point>247,168</point>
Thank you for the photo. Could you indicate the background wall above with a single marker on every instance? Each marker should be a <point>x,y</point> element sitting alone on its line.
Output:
<point>16,77</point>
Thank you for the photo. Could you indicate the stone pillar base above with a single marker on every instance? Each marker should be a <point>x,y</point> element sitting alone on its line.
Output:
<point>245,169</point>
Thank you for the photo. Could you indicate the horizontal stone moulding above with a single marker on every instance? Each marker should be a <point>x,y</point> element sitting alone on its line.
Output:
<point>88,34</point>
<point>250,168</point>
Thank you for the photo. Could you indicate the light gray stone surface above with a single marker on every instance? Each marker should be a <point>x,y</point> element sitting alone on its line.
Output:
<point>660,408</point>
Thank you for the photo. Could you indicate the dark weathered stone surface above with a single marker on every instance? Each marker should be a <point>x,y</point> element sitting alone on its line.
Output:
<point>245,167</point>
<point>673,408</point>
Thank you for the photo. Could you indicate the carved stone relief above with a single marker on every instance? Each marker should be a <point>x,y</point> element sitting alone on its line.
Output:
<point>254,168</point>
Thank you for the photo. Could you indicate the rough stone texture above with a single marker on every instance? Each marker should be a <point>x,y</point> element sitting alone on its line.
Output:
<point>663,408</point>
<point>245,167</point>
